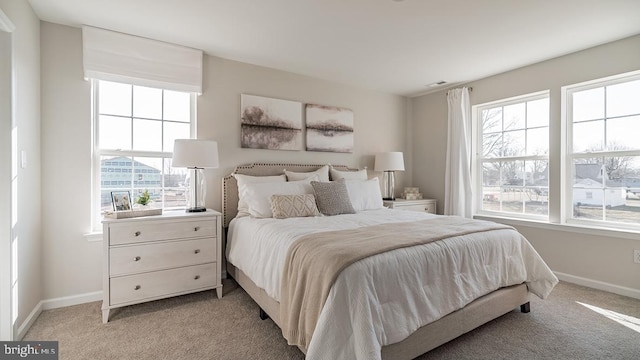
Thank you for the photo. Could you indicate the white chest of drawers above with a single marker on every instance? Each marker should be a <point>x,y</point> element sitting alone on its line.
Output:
<point>155,257</point>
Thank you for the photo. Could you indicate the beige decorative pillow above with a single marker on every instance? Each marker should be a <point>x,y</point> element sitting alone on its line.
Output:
<point>299,205</point>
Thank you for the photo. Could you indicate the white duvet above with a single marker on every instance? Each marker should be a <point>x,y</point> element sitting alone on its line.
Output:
<point>384,298</point>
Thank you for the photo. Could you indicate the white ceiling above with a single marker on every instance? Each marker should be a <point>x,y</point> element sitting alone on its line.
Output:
<point>388,45</point>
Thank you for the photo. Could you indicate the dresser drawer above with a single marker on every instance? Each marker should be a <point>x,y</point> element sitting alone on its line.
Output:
<point>422,208</point>
<point>430,208</point>
<point>163,283</point>
<point>136,232</point>
<point>125,260</point>
<point>423,205</point>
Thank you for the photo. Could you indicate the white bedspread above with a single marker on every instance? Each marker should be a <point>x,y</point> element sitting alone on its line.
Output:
<point>383,299</point>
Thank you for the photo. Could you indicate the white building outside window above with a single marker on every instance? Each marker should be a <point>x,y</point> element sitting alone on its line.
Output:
<point>602,163</point>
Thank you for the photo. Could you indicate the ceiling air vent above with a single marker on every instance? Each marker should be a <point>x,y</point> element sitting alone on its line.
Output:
<point>439,83</point>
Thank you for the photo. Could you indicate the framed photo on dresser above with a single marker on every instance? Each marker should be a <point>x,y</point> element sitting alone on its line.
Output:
<point>121,200</point>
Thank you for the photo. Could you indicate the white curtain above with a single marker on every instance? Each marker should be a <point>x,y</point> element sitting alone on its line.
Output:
<point>458,197</point>
<point>113,56</point>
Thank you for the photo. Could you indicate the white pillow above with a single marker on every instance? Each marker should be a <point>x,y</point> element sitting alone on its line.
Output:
<point>258,195</point>
<point>348,175</point>
<point>243,208</point>
<point>365,194</point>
<point>322,173</point>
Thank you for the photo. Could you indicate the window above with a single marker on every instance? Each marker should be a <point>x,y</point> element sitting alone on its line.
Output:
<point>602,163</point>
<point>134,131</point>
<point>512,156</point>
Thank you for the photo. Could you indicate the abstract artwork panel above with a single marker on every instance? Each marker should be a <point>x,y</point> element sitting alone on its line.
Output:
<point>329,128</point>
<point>268,123</point>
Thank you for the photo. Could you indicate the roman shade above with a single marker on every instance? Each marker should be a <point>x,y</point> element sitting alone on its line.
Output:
<point>113,56</point>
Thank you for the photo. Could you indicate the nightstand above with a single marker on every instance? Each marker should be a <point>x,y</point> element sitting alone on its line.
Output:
<point>426,205</point>
<point>154,257</point>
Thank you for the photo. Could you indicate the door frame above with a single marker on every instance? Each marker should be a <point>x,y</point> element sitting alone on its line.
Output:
<point>7,121</point>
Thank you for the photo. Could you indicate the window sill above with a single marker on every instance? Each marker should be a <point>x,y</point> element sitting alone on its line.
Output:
<point>574,228</point>
<point>95,236</point>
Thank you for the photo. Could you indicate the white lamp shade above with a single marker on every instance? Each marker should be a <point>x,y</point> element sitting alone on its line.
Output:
<point>389,161</point>
<point>195,153</point>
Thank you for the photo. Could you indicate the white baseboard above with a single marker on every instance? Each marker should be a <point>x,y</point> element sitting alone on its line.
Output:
<point>71,300</point>
<point>26,325</point>
<point>54,304</point>
<point>600,285</point>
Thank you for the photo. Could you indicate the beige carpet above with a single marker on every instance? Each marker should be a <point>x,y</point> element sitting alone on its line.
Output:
<point>200,326</point>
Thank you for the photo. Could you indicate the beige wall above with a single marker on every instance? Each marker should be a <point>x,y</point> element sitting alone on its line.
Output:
<point>72,265</point>
<point>600,258</point>
<point>380,123</point>
<point>26,215</point>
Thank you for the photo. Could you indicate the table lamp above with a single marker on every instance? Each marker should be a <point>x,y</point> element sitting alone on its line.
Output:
<point>389,162</point>
<point>195,155</point>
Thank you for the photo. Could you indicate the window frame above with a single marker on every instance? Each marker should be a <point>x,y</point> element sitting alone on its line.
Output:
<point>97,153</point>
<point>567,155</point>
<point>478,159</point>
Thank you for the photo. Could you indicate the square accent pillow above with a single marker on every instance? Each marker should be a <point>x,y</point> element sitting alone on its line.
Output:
<point>258,195</point>
<point>365,194</point>
<point>243,206</point>
<point>322,173</point>
<point>332,197</point>
<point>288,206</point>
<point>348,175</point>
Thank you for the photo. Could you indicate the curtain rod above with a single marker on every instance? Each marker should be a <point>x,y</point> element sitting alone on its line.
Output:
<point>470,89</point>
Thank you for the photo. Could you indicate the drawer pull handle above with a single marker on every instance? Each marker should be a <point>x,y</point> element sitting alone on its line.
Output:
<point>137,258</point>
<point>197,277</point>
<point>197,251</point>
<point>137,233</point>
<point>196,228</point>
<point>137,287</point>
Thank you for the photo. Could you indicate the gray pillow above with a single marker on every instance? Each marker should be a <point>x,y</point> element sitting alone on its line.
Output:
<point>332,197</point>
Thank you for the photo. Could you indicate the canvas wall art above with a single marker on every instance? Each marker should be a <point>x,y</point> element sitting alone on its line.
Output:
<point>329,128</point>
<point>268,123</point>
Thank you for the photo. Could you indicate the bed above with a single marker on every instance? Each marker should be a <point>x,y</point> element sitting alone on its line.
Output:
<point>358,318</point>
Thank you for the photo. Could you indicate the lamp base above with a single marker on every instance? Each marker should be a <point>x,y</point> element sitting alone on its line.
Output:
<point>195,191</point>
<point>388,185</point>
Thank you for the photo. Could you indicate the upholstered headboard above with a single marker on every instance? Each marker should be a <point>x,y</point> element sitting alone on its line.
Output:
<point>230,185</point>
